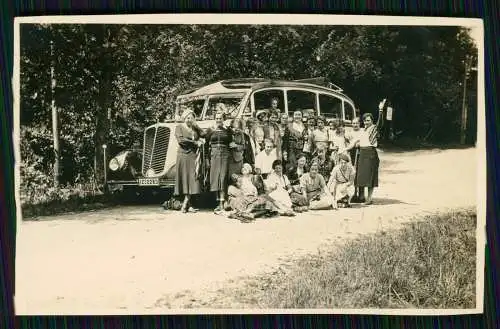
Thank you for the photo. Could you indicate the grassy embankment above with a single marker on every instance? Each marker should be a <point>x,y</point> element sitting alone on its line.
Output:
<point>430,263</point>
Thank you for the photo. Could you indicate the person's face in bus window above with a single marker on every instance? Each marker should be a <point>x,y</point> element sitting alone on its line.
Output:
<point>274,104</point>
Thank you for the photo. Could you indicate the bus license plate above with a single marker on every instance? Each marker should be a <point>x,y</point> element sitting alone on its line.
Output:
<point>149,181</point>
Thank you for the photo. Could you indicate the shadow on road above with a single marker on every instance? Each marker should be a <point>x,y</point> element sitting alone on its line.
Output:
<point>397,172</point>
<point>388,201</point>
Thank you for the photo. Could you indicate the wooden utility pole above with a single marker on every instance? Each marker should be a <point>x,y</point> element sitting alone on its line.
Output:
<point>463,128</point>
<point>55,123</point>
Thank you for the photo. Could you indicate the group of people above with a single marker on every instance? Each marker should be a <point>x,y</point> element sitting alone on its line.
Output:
<point>276,165</point>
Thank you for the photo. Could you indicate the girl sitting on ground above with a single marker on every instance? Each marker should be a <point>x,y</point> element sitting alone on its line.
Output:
<point>244,200</point>
<point>278,187</point>
<point>314,189</point>
<point>341,183</point>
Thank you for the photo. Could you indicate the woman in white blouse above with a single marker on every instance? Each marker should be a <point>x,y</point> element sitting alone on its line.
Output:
<point>368,160</point>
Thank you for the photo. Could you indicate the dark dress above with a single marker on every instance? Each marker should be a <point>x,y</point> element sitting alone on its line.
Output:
<point>218,142</point>
<point>368,160</point>
<point>295,144</point>
<point>237,154</point>
<point>296,196</point>
<point>285,137</point>
<point>248,152</point>
<point>368,166</point>
<point>186,180</point>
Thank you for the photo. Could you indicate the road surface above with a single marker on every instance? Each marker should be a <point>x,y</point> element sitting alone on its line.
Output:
<point>141,259</point>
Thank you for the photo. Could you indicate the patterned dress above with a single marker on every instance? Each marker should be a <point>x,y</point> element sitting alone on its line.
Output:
<point>218,141</point>
<point>246,203</point>
<point>237,154</point>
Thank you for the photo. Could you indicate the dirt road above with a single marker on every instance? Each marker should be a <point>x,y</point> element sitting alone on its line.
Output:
<point>140,259</point>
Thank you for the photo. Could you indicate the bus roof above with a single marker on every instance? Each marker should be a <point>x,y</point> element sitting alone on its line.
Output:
<point>232,86</point>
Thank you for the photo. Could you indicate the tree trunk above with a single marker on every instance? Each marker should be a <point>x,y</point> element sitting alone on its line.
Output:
<point>102,121</point>
<point>55,119</point>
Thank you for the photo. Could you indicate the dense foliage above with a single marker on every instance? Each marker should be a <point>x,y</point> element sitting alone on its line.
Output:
<point>113,80</point>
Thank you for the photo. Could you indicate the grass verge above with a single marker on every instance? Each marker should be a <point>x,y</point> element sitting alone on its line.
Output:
<point>427,264</point>
<point>73,203</point>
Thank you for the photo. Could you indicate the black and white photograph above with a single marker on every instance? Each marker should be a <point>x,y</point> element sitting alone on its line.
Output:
<point>225,163</point>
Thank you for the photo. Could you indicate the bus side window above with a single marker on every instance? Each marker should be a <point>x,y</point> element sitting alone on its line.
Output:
<point>301,100</point>
<point>349,112</point>
<point>247,111</point>
<point>330,106</point>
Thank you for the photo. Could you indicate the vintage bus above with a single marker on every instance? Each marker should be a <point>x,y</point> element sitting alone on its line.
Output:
<point>153,164</point>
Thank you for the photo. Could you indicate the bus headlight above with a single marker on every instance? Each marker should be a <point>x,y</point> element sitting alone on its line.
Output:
<point>118,162</point>
<point>114,165</point>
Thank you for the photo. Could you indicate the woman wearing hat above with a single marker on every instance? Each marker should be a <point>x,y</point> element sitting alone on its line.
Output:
<point>341,182</point>
<point>258,129</point>
<point>187,180</point>
<point>368,160</point>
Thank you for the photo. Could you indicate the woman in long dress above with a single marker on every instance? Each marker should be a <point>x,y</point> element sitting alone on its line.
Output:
<point>219,141</point>
<point>278,187</point>
<point>187,180</point>
<point>368,160</point>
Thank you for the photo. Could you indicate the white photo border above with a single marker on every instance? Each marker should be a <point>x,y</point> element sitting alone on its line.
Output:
<point>477,33</point>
